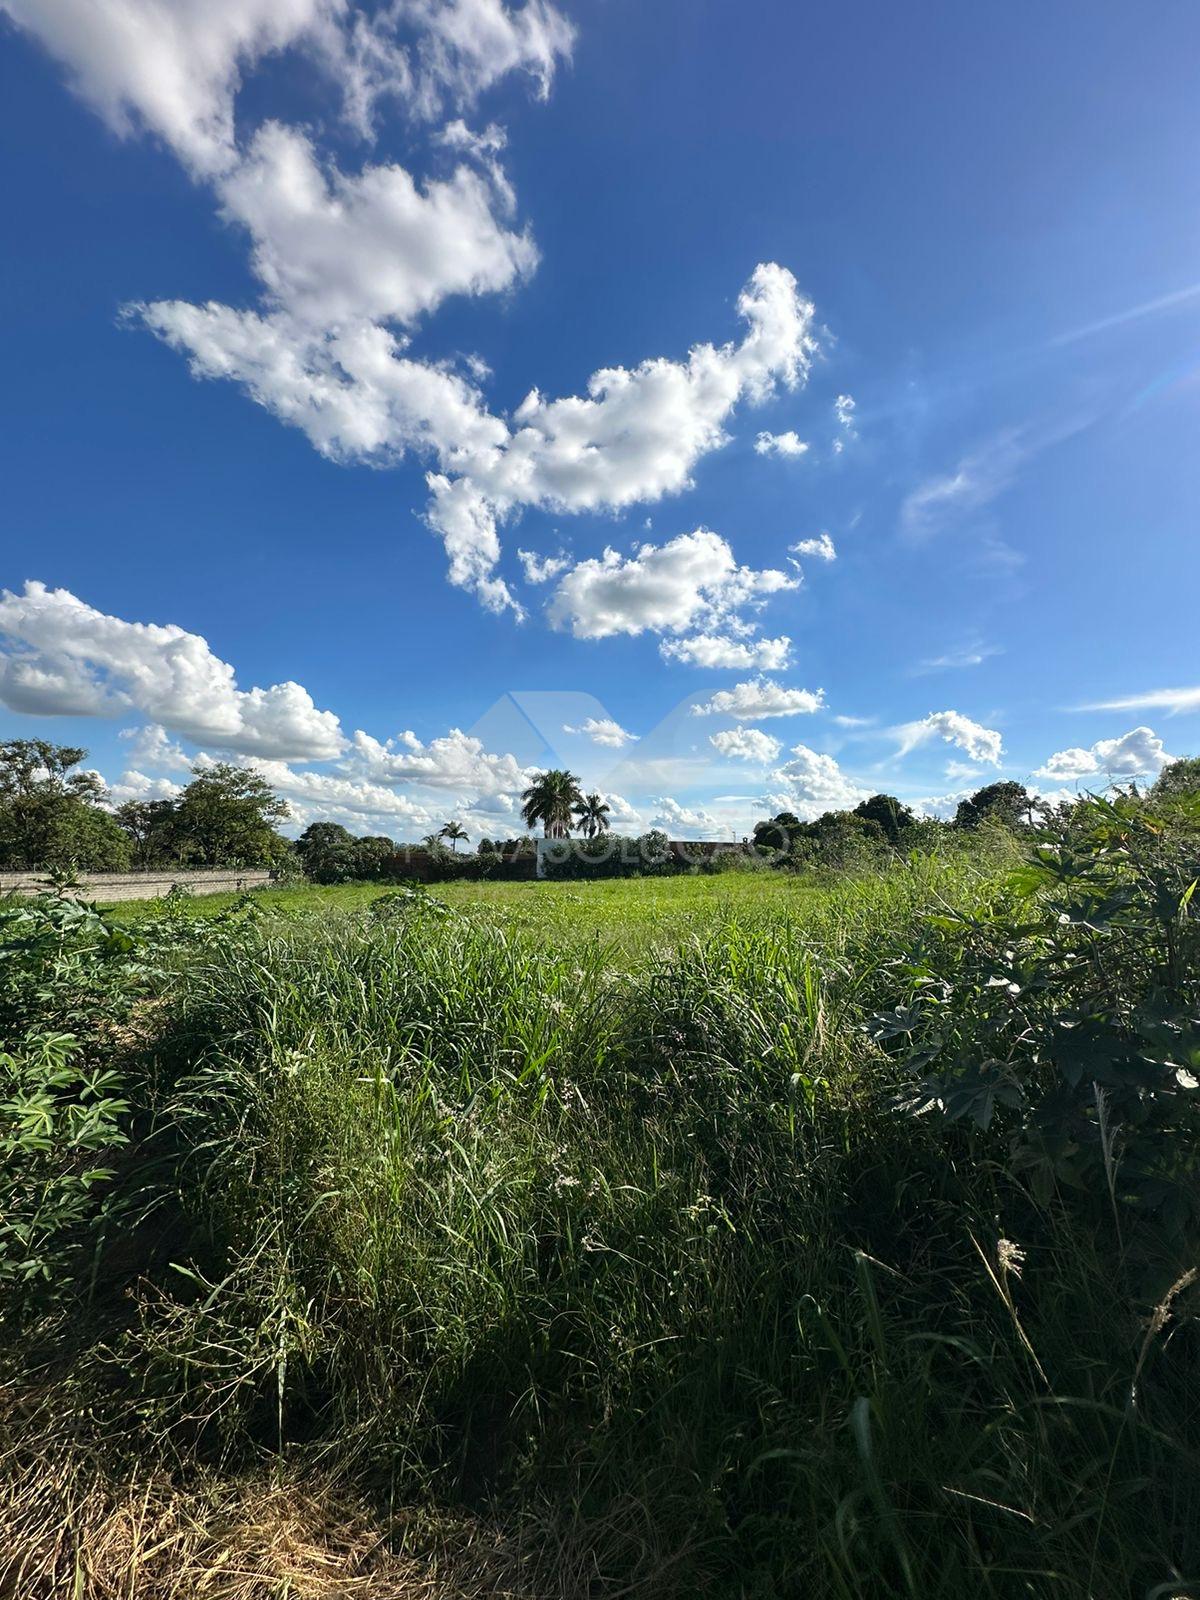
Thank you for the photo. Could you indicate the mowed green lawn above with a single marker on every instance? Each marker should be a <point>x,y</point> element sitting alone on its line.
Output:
<point>637,915</point>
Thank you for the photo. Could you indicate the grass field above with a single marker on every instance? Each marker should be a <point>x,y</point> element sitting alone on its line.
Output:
<point>640,915</point>
<point>566,1240</point>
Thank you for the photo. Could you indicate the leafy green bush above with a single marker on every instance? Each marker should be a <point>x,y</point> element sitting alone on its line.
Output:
<point>59,1116</point>
<point>64,967</point>
<point>68,982</point>
<point>1067,1012</point>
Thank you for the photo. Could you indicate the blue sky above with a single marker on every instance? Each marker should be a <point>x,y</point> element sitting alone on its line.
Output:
<point>866,340</point>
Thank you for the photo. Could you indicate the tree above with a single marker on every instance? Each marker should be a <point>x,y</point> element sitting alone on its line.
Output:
<point>1177,778</point>
<point>593,815</point>
<point>454,831</point>
<point>372,855</point>
<point>150,826</point>
<point>327,852</point>
<point>225,817</point>
<point>30,766</point>
<point>780,833</point>
<point>1007,803</point>
<point>51,815</point>
<point>551,799</point>
<point>893,816</point>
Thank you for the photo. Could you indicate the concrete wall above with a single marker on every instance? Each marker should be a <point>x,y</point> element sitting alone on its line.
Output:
<point>143,885</point>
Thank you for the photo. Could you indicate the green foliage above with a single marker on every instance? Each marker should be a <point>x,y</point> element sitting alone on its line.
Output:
<point>50,814</point>
<point>487,1216</point>
<point>588,1203</point>
<point>1067,1012</point>
<point>779,833</point>
<point>374,855</point>
<point>1177,778</point>
<point>841,841</point>
<point>225,817</point>
<point>593,815</point>
<point>550,801</point>
<point>60,1121</point>
<point>1008,804</point>
<point>151,827</point>
<point>895,820</point>
<point>68,981</point>
<point>327,853</point>
<point>613,855</point>
<point>64,967</point>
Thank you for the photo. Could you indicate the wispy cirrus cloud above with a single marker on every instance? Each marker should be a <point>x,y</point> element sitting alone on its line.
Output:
<point>1172,701</point>
<point>951,497</point>
<point>1118,319</point>
<point>970,655</point>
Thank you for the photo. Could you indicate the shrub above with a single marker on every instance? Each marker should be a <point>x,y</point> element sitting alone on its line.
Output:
<point>1068,1011</point>
<point>68,982</point>
<point>59,1117</point>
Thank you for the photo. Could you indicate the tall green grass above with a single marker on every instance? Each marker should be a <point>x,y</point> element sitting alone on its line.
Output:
<point>633,1254</point>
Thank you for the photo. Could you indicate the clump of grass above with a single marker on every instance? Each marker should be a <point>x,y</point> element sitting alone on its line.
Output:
<point>73,1523</point>
<point>626,1254</point>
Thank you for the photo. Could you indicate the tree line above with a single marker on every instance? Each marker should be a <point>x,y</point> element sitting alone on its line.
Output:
<point>57,815</point>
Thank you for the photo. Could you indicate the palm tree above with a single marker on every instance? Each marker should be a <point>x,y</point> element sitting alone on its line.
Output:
<point>550,800</point>
<point>593,815</point>
<point>454,831</point>
<point>433,841</point>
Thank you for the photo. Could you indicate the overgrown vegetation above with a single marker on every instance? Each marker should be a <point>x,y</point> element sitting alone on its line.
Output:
<point>569,1268</point>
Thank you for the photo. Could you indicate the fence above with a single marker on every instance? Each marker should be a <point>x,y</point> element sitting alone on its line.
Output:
<point>146,885</point>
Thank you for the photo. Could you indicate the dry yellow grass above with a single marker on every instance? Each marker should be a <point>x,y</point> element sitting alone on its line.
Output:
<point>77,1526</point>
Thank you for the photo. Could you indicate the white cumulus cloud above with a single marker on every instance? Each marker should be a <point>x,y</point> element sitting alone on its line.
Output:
<point>541,569</point>
<point>780,444</point>
<point>349,260</point>
<point>820,548</point>
<point>718,650</point>
<point>603,731</point>
<point>174,67</point>
<point>171,66</point>
<point>635,437</point>
<point>160,670</point>
<point>746,744</point>
<point>685,822</point>
<point>151,747</point>
<point>331,248</point>
<point>455,760</point>
<point>811,783</point>
<point>1138,752</point>
<point>761,697</point>
<point>979,743</point>
<point>690,581</point>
